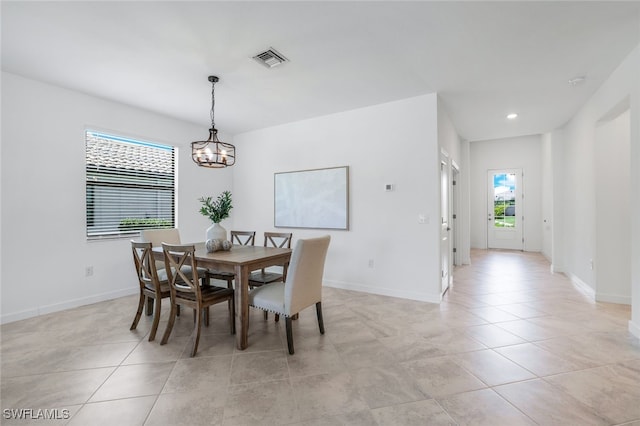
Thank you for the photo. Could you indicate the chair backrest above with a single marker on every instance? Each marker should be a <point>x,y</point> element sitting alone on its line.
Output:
<point>278,239</point>
<point>244,238</point>
<point>145,266</point>
<point>159,236</point>
<point>303,286</point>
<point>180,265</point>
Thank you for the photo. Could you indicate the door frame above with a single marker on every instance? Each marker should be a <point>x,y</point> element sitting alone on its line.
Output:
<point>446,267</point>
<point>454,215</point>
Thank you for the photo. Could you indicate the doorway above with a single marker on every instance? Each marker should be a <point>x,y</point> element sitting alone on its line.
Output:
<point>505,218</point>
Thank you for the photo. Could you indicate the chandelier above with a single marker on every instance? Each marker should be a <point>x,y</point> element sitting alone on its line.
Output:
<point>213,153</point>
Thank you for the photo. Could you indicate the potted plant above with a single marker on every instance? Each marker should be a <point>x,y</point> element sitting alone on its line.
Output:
<point>216,211</point>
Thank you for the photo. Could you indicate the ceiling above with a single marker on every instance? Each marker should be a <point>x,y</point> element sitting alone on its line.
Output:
<point>484,59</point>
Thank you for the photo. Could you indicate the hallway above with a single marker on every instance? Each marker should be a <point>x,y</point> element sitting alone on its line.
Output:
<point>511,344</point>
<point>582,365</point>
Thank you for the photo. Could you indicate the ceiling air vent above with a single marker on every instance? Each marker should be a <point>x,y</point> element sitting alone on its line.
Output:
<point>270,58</point>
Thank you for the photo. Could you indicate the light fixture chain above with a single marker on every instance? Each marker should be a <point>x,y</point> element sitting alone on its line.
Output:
<point>213,104</point>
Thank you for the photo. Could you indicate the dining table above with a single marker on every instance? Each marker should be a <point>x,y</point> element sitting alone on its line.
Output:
<point>241,261</point>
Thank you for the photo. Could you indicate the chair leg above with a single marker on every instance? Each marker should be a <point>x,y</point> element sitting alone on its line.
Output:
<point>196,340</point>
<point>232,315</point>
<point>172,319</point>
<point>276,317</point>
<point>266,315</point>
<point>206,316</point>
<point>319,313</point>
<point>138,312</point>
<point>287,321</point>
<point>156,319</point>
<point>149,310</point>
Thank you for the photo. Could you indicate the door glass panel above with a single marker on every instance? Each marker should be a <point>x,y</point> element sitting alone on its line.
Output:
<point>504,200</point>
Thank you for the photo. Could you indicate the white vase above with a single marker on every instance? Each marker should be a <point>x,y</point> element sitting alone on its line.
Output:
<point>216,232</point>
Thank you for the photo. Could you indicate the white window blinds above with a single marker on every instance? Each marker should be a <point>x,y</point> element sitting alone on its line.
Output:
<point>130,185</point>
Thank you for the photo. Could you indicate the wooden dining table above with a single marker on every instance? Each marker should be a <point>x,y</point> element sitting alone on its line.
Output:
<point>240,260</point>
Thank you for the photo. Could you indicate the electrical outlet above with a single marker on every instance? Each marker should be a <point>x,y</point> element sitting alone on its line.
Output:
<point>88,271</point>
<point>370,263</point>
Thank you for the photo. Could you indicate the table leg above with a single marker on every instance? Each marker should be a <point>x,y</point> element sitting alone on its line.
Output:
<point>242,306</point>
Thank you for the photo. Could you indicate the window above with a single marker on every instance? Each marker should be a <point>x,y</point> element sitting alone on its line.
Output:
<point>504,200</point>
<point>130,185</point>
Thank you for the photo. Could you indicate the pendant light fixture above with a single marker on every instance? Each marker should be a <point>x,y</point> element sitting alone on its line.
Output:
<point>213,153</point>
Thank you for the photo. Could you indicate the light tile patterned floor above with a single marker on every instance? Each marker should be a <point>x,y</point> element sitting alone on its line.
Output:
<point>511,344</point>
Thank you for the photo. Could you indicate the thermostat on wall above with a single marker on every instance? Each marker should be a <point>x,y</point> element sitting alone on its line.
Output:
<point>388,187</point>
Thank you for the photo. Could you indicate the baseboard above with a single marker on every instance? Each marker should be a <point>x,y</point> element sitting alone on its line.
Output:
<point>17,316</point>
<point>393,292</point>
<point>74,303</point>
<point>581,285</point>
<point>634,329</point>
<point>613,298</point>
<point>555,269</point>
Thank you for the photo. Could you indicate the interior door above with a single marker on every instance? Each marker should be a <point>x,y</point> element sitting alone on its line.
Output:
<point>445,247</point>
<point>505,217</point>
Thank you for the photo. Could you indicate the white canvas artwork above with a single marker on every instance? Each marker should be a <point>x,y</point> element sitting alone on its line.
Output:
<point>312,198</point>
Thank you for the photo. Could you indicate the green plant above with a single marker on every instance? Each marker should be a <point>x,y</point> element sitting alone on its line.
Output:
<point>136,223</point>
<point>218,209</point>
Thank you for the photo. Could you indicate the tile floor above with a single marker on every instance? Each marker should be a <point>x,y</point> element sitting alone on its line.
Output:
<point>511,344</point>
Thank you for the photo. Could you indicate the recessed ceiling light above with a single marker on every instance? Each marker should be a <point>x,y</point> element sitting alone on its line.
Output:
<point>512,116</point>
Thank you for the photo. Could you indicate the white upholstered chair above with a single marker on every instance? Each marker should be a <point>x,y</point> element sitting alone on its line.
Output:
<point>302,287</point>
<point>159,236</point>
<point>168,236</point>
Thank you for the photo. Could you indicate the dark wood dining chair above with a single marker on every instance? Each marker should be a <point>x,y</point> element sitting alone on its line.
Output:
<point>170,236</point>
<point>152,287</point>
<point>243,238</point>
<point>185,290</point>
<point>302,287</point>
<point>263,276</point>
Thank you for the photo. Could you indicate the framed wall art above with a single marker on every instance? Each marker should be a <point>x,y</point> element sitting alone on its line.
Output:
<point>317,198</point>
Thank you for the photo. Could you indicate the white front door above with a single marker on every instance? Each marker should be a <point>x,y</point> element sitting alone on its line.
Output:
<point>504,209</point>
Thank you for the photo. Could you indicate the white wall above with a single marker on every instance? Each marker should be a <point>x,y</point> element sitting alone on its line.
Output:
<point>579,180</point>
<point>613,219</point>
<point>45,251</point>
<point>392,143</point>
<point>524,153</point>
